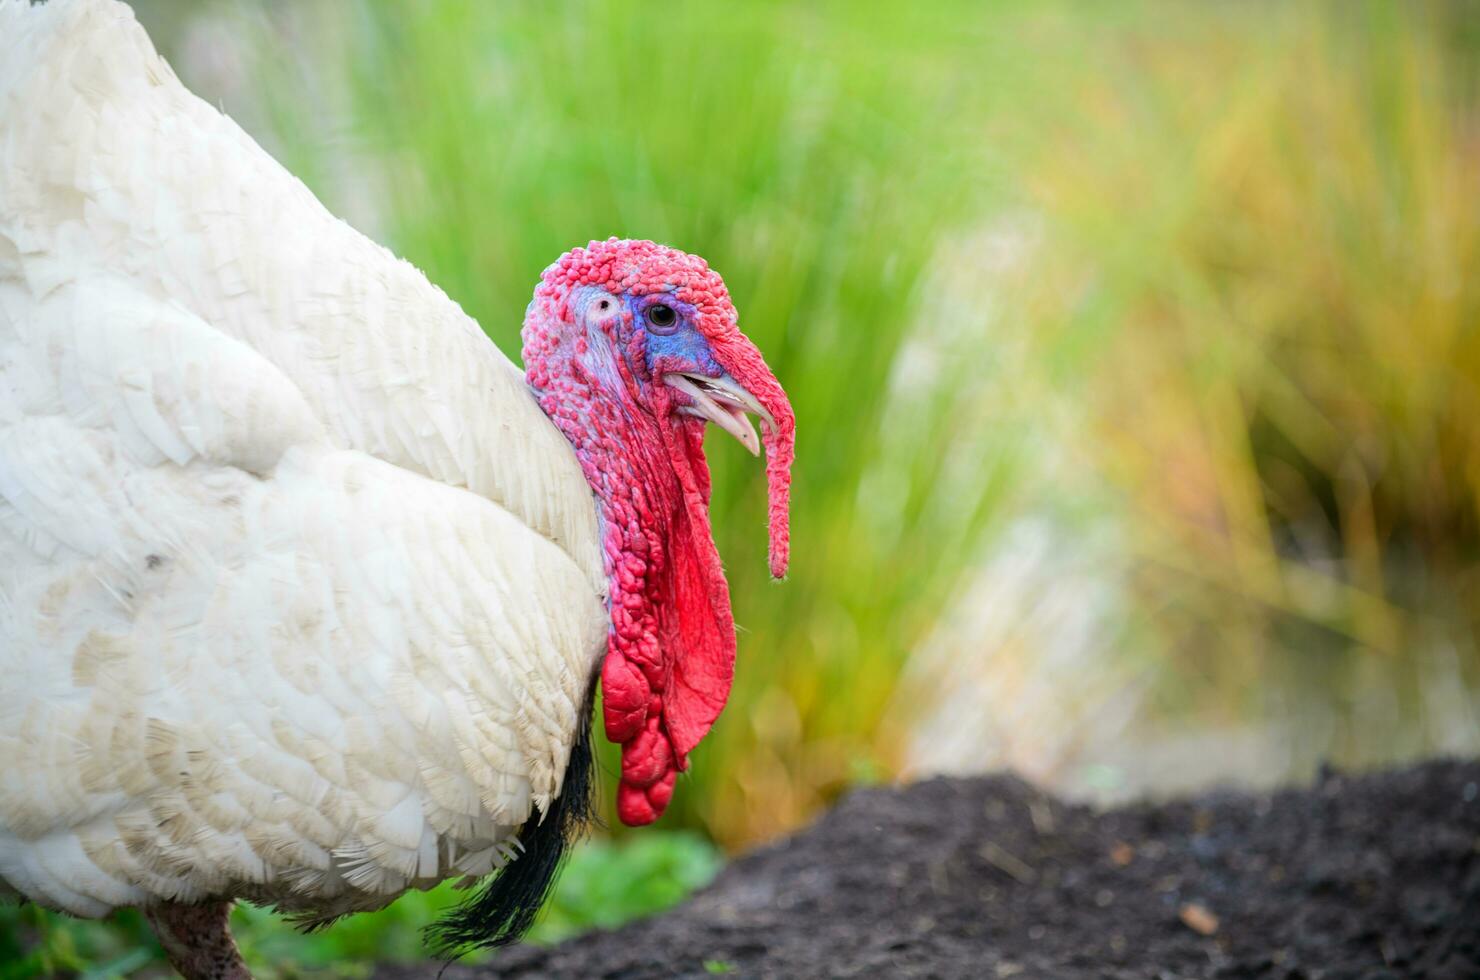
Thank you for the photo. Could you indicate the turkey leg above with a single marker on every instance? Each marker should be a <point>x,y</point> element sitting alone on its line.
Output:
<point>197,940</point>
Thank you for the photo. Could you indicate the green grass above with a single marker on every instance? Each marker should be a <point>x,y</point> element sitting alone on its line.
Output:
<point>1198,282</point>
<point>604,884</point>
<point>1233,298</point>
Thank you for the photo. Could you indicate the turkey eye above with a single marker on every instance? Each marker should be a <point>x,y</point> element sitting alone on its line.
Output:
<point>661,316</point>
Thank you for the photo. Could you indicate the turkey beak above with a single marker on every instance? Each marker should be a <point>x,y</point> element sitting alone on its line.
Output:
<point>724,402</point>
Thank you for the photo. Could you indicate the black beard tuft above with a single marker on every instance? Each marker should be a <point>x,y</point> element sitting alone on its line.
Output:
<point>502,910</point>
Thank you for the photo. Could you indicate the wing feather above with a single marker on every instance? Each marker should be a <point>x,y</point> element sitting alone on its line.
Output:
<point>107,156</point>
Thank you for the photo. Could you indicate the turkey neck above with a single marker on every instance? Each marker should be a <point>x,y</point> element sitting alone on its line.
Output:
<point>671,642</point>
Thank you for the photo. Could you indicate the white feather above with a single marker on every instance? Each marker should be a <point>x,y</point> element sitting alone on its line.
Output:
<point>299,591</point>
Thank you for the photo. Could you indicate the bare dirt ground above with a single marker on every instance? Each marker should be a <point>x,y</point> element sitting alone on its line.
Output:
<point>1356,878</point>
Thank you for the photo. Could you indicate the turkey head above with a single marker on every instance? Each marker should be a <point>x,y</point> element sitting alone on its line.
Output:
<point>631,347</point>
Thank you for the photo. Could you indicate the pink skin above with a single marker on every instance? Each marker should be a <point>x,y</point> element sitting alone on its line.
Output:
<point>671,648</point>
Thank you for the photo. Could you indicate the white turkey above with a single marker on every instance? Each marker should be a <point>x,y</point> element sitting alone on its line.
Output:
<point>304,586</point>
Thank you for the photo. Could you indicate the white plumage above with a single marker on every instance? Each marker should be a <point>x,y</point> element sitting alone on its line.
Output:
<point>300,592</point>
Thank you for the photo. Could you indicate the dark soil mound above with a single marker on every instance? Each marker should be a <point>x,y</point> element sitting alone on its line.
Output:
<point>1360,878</point>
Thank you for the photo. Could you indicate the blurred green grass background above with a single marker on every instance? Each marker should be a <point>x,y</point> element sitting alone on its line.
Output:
<point>1135,349</point>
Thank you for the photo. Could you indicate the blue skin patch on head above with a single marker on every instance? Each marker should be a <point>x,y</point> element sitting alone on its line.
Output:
<point>685,350</point>
<point>679,348</point>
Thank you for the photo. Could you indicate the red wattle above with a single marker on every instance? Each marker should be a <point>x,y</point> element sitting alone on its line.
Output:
<point>690,602</point>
